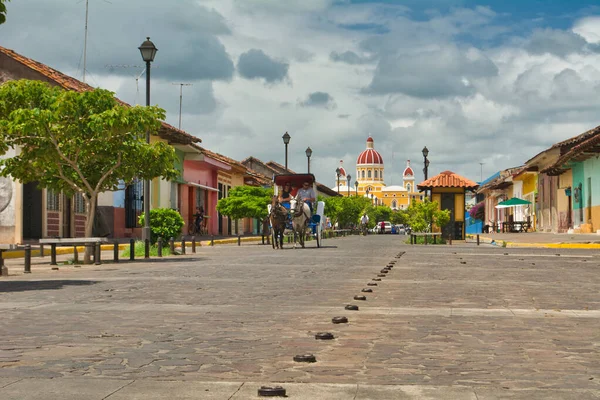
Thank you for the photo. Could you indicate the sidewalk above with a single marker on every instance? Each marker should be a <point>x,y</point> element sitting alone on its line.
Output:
<point>539,240</point>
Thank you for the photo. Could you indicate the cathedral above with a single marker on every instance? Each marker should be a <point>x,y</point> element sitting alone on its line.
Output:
<point>369,181</point>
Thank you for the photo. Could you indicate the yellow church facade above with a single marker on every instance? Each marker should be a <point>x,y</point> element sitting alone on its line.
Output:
<point>370,181</point>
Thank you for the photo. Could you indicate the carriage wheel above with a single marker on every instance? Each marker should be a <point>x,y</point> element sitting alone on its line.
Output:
<point>318,235</point>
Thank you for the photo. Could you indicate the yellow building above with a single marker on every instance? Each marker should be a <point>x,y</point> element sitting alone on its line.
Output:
<point>370,181</point>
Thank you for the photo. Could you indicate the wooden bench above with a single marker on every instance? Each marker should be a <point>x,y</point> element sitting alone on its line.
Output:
<point>67,242</point>
<point>413,236</point>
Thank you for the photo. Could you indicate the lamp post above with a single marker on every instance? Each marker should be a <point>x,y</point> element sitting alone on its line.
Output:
<point>148,51</point>
<point>338,173</point>
<point>308,154</point>
<point>286,140</point>
<point>426,165</point>
<point>348,178</point>
<point>356,188</point>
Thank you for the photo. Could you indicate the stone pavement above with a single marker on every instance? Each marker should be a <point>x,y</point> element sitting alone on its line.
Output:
<point>447,322</point>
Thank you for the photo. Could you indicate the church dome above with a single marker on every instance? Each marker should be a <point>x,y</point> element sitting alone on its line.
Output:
<point>408,171</point>
<point>370,155</point>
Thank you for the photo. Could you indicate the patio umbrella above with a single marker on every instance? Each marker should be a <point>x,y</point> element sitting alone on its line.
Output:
<point>513,203</point>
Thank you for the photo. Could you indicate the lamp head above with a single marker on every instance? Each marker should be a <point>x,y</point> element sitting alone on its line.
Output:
<point>286,138</point>
<point>308,152</point>
<point>148,50</point>
<point>425,151</point>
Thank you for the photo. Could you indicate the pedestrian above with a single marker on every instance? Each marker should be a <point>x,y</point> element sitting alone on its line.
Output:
<point>382,225</point>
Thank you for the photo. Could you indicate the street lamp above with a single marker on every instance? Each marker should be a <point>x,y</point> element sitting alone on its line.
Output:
<point>348,178</point>
<point>286,140</point>
<point>425,160</point>
<point>338,173</point>
<point>148,51</point>
<point>356,188</point>
<point>308,154</point>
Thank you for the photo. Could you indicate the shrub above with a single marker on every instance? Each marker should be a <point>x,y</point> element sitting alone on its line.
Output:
<point>164,222</point>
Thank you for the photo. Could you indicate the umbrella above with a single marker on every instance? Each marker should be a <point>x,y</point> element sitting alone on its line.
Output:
<point>512,203</point>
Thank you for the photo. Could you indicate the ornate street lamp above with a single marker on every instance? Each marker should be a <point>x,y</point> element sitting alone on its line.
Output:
<point>308,154</point>
<point>348,178</point>
<point>356,188</point>
<point>286,140</point>
<point>338,173</point>
<point>148,51</point>
<point>425,161</point>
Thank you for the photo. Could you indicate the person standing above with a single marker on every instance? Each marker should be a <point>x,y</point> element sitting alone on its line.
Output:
<point>382,225</point>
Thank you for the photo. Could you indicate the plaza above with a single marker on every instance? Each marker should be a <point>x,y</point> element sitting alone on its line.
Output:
<point>457,322</point>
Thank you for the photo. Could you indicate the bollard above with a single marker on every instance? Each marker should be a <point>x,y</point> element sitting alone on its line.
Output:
<point>434,239</point>
<point>450,240</point>
<point>194,244</point>
<point>27,269</point>
<point>477,239</point>
<point>131,249</point>
<point>183,245</point>
<point>53,254</point>
<point>212,240</point>
<point>147,248</point>
<point>116,251</point>
<point>172,245</point>
<point>41,250</point>
<point>263,239</point>
<point>239,240</point>
<point>160,246</point>
<point>98,249</point>
<point>76,255</point>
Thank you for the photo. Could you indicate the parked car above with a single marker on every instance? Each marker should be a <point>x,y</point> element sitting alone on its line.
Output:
<point>388,227</point>
<point>400,229</point>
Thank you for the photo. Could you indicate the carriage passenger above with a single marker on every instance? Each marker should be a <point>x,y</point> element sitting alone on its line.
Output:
<point>307,195</point>
<point>285,195</point>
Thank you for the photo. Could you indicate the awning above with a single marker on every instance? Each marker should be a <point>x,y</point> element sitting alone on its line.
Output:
<point>513,203</point>
<point>202,186</point>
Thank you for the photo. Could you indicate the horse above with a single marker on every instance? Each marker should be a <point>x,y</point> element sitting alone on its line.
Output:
<point>277,218</point>
<point>300,218</point>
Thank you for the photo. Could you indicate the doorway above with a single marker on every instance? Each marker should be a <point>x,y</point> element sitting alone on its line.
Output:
<point>32,211</point>
<point>66,217</point>
<point>448,204</point>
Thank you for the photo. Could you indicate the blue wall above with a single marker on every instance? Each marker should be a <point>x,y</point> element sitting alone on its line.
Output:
<point>472,225</point>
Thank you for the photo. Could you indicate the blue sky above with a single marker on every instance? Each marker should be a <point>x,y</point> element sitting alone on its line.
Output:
<point>491,82</point>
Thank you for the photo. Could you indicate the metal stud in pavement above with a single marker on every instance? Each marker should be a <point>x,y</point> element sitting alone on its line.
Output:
<point>309,358</point>
<point>371,284</point>
<point>381,275</point>
<point>360,297</point>
<point>384,271</point>
<point>339,320</point>
<point>271,391</point>
<point>351,307</point>
<point>376,279</point>
<point>367,290</point>
<point>324,336</point>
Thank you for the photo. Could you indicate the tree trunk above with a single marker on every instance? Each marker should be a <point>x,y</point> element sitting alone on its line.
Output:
<point>89,226</point>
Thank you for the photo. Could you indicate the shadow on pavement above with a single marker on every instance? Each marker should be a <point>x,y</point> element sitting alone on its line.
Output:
<point>22,286</point>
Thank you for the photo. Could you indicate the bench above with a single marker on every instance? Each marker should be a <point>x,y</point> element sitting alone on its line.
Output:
<point>67,242</point>
<point>413,236</point>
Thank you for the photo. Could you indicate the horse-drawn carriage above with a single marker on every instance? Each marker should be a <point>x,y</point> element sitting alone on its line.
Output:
<point>299,217</point>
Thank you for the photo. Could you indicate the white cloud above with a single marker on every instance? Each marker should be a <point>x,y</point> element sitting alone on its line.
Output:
<point>589,28</point>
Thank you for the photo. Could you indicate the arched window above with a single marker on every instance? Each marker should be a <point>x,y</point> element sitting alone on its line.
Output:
<point>363,174</point>
<point>375,174</point>
<point>408,187</point>
<point>394,204</point>
<point>368,173</point>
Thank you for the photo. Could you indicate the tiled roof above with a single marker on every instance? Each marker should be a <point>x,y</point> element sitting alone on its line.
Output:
<point>447,179</point>
<point>66,82</point>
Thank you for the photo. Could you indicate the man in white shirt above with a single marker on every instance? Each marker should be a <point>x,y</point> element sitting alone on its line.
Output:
<point>306,194</point>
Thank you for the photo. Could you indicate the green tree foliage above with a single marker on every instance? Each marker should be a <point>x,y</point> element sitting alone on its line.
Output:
<point>422,214</point>
<point>378,214</point>
<point>345,211</point>
<point>399,217</point>
<point>246,202</point>
<point>3,11</point>
<point>78,142</point>
<point>165,223</point>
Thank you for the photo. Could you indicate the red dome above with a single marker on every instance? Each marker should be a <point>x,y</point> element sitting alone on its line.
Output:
<point>408,171</point>
<point>342,171</point>
<point>370,155</point>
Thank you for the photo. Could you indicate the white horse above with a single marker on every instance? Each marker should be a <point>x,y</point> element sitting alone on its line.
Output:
<point>300,218</point>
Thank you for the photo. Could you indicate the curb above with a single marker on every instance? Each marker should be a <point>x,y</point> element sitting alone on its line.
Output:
<point>491,241</point>
<point>122,246</point>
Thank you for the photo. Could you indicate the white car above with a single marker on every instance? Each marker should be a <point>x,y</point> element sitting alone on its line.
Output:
<point>388,227</point>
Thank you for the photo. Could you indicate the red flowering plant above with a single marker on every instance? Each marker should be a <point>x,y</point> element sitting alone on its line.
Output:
<point>477,211</point>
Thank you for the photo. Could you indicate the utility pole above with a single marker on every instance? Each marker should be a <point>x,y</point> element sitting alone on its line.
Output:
<point>481,178</point>
<point>87,3</point>
<point>181,85</point>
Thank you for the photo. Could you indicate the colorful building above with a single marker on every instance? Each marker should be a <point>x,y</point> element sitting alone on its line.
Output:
<point>370,181</point>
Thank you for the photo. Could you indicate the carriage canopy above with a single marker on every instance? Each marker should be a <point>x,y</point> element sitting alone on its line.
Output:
<point>295,179</point>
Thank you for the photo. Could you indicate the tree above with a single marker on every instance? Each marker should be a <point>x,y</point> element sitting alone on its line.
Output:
<point>423,214</point>
<point>399,217</point>
<point>246,202</point>
<point>346,211</point>
<point>379,213</point>
<point>78,142</point>
<point>3,11</point>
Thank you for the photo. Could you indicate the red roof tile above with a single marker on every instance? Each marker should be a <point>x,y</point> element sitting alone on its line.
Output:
<point>447,179</point>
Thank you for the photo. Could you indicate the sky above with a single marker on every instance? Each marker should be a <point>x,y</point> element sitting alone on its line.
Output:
<point>485,85</point>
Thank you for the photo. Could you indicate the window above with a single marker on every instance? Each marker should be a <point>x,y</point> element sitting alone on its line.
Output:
<point>375,174</point>
<point>408,187</point>
<point>363,174</point>
<point>79,204</point>
<point>368,173</point>
<point>52,200</point>
<point>133,203</point>
<point>394,204</point>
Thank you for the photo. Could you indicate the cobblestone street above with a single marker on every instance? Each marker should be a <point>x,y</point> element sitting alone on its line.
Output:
<point>460,322</point>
